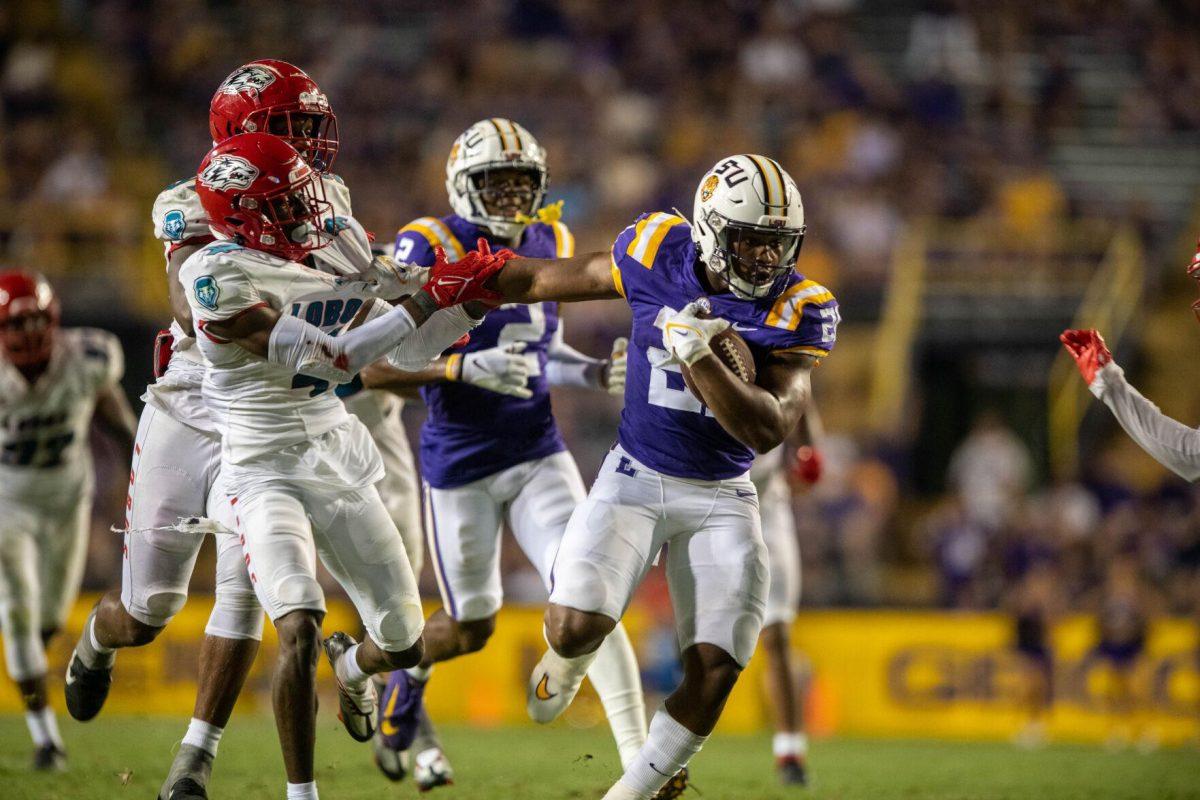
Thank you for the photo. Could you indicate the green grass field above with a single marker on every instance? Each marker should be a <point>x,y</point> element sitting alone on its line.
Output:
<point>123,757</point>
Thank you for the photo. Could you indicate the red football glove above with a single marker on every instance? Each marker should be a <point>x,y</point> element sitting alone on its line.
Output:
<point>1089,351</point>
<point>451,284</point>
<point>461,342</point>
<point>164,344</point>
<point>1193,269</point>
<point>807,466</point>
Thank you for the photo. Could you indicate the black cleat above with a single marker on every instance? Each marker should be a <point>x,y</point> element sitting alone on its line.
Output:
<point>86,689</point>
<point>356,705</point>
<point>791,771</point>
<point>675,787</point>
<point>185,789</point>
<point>49,758</point>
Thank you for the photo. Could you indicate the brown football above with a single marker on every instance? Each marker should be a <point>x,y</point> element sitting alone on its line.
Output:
<point>734,353</point>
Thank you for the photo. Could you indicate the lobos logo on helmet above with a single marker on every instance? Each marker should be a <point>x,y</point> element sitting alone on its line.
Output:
<point>246,79</point>
<point>228,172</point>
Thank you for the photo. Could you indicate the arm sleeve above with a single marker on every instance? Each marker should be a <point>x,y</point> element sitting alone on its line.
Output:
<point>1171,443</point>
<point>308,350</point>
<point>566,366</point>
<point>428,342</point>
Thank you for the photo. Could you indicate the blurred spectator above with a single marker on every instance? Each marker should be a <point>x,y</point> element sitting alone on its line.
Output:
<point>990,472</point>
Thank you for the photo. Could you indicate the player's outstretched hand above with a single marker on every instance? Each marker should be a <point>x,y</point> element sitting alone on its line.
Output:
<point>395,279</point>
<point>614,372</point>
<point>1193,269</point>
<point>453,283</point>
<point>504,370</point>
<point>1089,351</point>
<point>686,333</point>
<point>807,466</point>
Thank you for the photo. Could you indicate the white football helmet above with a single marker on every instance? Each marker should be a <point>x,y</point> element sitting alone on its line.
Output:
<point>494,144</point>
<point>749,200</point>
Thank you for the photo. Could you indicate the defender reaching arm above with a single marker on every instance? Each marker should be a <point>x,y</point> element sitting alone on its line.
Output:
<point>1171,443</point>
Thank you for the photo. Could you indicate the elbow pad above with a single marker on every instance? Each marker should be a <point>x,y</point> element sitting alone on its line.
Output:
<point>430,340</point>
<point>307,350</point>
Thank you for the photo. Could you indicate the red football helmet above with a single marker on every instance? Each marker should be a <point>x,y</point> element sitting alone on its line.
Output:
<point>257,190</point>
<point>276,97</point>
<point>29,314</point>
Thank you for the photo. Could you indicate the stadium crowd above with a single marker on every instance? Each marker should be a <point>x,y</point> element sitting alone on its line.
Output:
<point>104,103</point>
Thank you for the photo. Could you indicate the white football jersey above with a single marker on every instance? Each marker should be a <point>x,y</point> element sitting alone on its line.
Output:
<point>44,427</point>
<point>259,407</point>
<point>179,219</point>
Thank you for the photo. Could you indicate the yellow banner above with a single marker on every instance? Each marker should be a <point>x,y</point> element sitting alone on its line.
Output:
<point>885,673</point>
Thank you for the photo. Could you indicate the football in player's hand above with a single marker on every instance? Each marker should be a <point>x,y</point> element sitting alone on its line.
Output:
<point>732,350</point>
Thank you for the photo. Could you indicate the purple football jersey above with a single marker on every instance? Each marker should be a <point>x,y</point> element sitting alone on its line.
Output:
<point>663,424</point>
<point>469,432</point>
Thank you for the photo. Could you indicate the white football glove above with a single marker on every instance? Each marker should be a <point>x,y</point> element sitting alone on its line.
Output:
<point>686,334</point>
<point>499,369</point>
<point>394,279</point>
<point>615,380</point>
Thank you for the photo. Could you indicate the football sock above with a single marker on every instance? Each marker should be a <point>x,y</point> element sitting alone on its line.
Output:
<point>302,791</point>
<point>93,654</point>
<point>668,749</point>
<point>614,675</point>
<point>203,735</point>
<point>794,745</point>
<point>420,674</point>
<point>43,727</point>
<point>348,669</point>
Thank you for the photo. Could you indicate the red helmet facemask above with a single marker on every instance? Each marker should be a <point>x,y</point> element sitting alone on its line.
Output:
<point>256,189</point>
<point>29,315</point>
<point>269,96</point>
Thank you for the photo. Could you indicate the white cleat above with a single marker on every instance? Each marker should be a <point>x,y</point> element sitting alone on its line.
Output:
<point>553,685</point>
<point>431,769</point>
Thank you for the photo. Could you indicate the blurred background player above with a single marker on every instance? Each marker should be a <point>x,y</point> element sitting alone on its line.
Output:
<point>678,473</point>
<point>53,383</point>
<point>175,473</point>
<point>784,682</point>
<point>491,453</point>
<point>1036,606</point>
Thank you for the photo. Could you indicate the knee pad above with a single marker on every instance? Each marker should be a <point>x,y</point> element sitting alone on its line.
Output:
<point>398,625</point>
<point>160,607</point>
<point>236,614</point>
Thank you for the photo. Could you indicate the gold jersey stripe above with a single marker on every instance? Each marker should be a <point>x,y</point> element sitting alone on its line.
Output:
<point>438,235</point>
<point>564,240</point>
<point>789,308</point>
<point>649,235</point>
<point>616,276</point>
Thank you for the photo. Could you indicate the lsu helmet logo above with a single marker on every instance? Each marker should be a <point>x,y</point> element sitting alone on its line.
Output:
<point>710,186</point>
<point>174,224</point>
<point>245,79</point>
<point>228,171</point>
<point>207,291</point>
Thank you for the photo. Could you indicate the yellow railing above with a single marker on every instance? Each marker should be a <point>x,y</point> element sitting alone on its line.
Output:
<point>1108,305</point>
<point>898,326</point>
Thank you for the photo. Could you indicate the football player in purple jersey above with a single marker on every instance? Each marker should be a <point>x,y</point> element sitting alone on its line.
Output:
<point>491,452</point>
<point>678,472</point>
